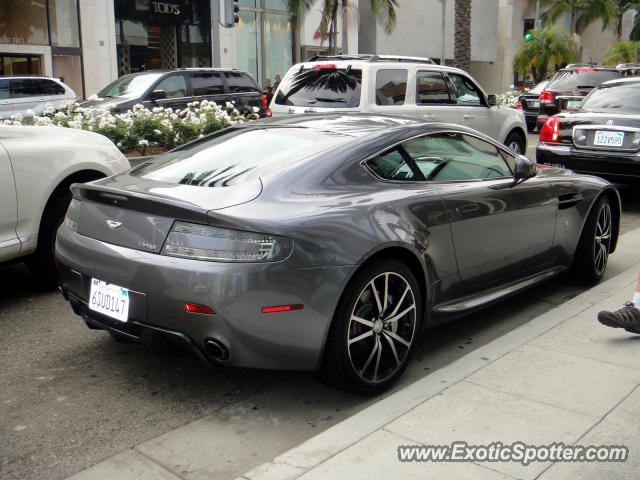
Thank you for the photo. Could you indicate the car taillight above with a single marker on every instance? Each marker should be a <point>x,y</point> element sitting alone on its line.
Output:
<point>546,97</point>
<point>550,130</point>
<point>71,217</point>
<point>519,104</point>
<point>264,101</point>
<point>330,66</point>
<point>269,113</point>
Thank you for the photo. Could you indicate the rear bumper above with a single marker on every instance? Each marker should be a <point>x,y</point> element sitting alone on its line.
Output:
<point>160,286</point>
<point>616,167</point>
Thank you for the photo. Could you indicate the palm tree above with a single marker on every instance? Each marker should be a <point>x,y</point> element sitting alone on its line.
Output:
<point>583,13</point>
<point>546,46</point>
<point>331,8</point>
<point>618,8</point>
<point>462,41</point>
<point>622,52</point>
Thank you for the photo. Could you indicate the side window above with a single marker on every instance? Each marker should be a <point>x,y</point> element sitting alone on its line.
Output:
<point>174,86</point>
<point>22,88</point>
<point>240,82</point>
<point>391,165</point>
<point>206,83</point>
<point>391,87</point>
<point>431,87</point>
<point>47,87</point>
<point>5,92</point>
<point>466,91</point>
<point>456,156</point>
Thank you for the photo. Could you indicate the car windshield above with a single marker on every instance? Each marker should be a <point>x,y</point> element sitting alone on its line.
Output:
<point>238,156</point>
<point>581,78</point>
<point>129,85</point>
<point>614,98</point>
<point>321,87</point>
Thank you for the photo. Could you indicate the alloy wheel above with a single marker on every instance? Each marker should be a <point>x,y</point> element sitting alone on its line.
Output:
<point>602,239</point>
<point>381,328</point>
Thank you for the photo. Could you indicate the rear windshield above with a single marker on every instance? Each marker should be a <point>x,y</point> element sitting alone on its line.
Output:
<point>322,87</point>
<point>580,78</point>
<point>238,156</point>
<point>614,99</point>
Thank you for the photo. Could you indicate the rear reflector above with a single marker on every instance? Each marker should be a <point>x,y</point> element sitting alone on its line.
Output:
<point>193,308</point>
<point>282,308</point>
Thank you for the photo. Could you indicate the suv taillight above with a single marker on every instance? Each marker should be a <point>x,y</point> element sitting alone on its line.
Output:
<point>546,97</point>
<point>269,113</point>
<point>264,101</point>
<point>550,130</point>
<point>519,104</point>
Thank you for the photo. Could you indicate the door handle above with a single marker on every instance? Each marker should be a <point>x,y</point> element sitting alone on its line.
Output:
<point>467,116</point>
<point>469,207</point>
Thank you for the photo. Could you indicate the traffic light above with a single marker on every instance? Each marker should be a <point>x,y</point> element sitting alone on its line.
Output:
<point>528,25</point>
<point>527,36</point>
<point>231,9</point>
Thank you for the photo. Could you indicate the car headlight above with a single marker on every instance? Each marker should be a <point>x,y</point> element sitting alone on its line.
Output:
<point>202,242</point>
<point>71,218</point>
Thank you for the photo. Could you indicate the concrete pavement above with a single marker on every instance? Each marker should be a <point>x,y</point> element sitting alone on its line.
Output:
<point>561,377</point>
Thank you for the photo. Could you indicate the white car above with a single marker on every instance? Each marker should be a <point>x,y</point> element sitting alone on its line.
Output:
<point>411,86</point>
<point>37,166</point>
<point>26,94</point>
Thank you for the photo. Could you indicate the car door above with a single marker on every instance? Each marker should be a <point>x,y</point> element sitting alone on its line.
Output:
<point>435,99</point>
<point>24,97</point>
<point>175,94</point>
<point>390,93</point>
<point>9,243</point>
<point>499,228</point>
<point>6,106</point>
<point>472,106</point>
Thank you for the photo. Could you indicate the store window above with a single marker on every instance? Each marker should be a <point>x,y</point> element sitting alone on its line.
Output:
<point>63,18</point>
<point>249,43</point>
<point>23,22</point>
<point>20,65</point>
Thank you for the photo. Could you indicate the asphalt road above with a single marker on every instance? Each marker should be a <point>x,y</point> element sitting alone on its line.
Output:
<point>71,397</point>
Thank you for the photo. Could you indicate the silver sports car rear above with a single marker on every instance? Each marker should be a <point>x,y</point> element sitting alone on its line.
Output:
<point>324,242</point>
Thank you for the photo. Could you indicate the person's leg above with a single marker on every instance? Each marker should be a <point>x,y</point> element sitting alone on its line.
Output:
<point>628,317</point>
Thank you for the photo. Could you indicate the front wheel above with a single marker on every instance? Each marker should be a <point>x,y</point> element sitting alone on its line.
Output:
<point>592,253</point>
<point>515,143</point>
<point>374,330</point>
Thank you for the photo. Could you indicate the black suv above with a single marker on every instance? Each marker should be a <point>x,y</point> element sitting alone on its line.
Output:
<point>571,84</point>
<point>176,88</point>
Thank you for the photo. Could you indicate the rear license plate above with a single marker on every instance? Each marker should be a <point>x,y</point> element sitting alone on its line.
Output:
<point>535,104</point>
<point>109,299</point>
<point>608,139</point>
<point>573,103</point>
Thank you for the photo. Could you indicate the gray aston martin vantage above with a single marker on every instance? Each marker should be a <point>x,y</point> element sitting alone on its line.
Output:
<point>324,243</point>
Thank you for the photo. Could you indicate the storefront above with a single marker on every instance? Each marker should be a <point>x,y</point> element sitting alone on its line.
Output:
<point>264,38</point>
<point>41,37</point>
<point>162,34</point>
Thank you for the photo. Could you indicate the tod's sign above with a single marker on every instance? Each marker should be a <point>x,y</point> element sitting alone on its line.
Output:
<point>166,8</point>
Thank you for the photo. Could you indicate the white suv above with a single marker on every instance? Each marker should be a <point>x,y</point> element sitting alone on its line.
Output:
<point>397,85</point>
<point>29,93</point>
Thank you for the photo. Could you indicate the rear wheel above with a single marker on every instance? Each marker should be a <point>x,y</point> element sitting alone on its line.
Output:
<point>515,143</point>
<point>592,254</point>
<point>374,330</point>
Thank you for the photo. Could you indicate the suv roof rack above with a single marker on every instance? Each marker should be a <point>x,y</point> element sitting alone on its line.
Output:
<point>373,58</point>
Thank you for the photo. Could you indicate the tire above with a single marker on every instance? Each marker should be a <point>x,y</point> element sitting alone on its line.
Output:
<point>592,253</point>
<point>531,127</point>
<point>515,143</point>
<point>42,262</point>
<point>383,345</point>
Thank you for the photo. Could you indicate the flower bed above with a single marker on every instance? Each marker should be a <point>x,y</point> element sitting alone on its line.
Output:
<point>141,131</point>
<point>510,97</point>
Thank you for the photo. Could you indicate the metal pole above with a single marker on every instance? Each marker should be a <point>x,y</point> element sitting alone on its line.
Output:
<point>443,18</point>
<point>215,32</point>
<point>538,22</point>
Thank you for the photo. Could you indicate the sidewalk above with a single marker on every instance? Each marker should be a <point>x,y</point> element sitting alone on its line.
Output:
<point>561,377</point>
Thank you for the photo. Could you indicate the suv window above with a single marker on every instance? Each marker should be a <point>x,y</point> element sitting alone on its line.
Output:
<point>322,87</point>
<point>432,87</point>
<point>580,78</point>
<point>47,87</point>
<point>240,82</point>
<point>174,86</point>
<point>456,156</point>
<point>206,83</point>
<point>21,88</point>
<point>391,87</point>
<point>466,91</point>
<point>5,91</point>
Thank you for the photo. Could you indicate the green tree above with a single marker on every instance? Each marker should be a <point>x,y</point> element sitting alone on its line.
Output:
<point>622,52</point>
<point>331,8</point>
<point>547,46</point>
<point>462,38</point>
<point>618,8</point>
<point>582,12</point>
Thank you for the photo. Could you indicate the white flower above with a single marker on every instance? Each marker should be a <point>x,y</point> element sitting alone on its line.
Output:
<point>16,123</point>
<point>256,109</point>
<point>157,132</point>
<point>94,98</point>
<point>119,144</point>
<point>30,113</point>
<point>143,142</point>
<point>17,117</point>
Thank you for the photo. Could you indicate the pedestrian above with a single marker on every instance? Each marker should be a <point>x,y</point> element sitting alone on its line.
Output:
<point>268,90</point>
<point>628,317</point>
<point>276,82</point>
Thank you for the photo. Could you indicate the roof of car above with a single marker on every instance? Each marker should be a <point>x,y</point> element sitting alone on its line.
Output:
<point>31,76</point>
<point>621,81</point>
<point>387,60</point>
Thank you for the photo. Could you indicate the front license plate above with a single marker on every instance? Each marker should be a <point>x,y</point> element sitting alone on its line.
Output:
<point>109,299</point>
<point>608,139</point>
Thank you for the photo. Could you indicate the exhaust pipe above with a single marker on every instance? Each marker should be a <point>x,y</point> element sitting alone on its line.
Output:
<point>216,349</point>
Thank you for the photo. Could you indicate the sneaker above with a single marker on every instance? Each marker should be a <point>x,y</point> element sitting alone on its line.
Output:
<point>628,317</point>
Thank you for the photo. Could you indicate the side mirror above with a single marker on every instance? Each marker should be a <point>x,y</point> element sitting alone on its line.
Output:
<point>158,95</point>
<point>525,168</point>
<point>492,100</point>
